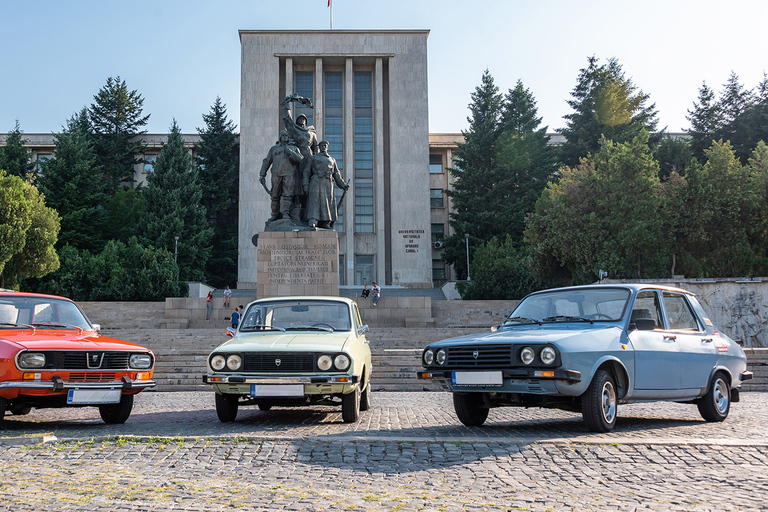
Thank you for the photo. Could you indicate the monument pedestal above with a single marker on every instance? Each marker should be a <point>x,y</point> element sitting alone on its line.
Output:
<point>297,263</point>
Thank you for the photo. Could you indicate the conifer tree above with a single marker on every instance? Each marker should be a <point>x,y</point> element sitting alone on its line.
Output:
<point>705,119</point>
<point>15,158</point>
<point>173,208</point>
<point>218,164</point>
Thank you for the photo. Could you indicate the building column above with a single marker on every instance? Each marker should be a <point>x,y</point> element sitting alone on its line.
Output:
<point>349,165</point>
<point>378,171</point>
<point>288,76</point>
<point>318,100</point>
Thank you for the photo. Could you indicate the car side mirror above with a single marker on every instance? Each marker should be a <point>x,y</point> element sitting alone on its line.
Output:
<point>495,328</point>
<point>96,327</point>
<point>363,329</point>
<point>230,332</point>
<point>645,324</point>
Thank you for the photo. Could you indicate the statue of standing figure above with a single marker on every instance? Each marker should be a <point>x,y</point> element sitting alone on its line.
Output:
<point>303,176</point>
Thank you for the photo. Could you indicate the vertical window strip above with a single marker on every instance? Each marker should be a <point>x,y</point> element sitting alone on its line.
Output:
<point>363,144</point>
<point>334,128</point>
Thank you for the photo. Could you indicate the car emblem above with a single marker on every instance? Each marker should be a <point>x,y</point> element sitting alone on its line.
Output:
<point>475,354</point>
<point>278,361</point>
<point>94,359</point>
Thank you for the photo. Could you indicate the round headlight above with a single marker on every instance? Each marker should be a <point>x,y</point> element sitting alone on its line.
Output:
<point>142,361</point>
<point>440,356</point>
<point>429,356</point>
<point>324,362</point>
<point>234,362</point>
<point>547,355</point>
<point>218,362</point>
<point>527,355</point>
<point>341,362</point>
<point>32,360</point>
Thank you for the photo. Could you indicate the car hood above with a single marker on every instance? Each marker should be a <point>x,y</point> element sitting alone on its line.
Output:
<point>548,333</point>
<point>286,341</point>
<point>54,339</point>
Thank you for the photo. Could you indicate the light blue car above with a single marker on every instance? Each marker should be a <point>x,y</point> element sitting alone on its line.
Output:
<point>589,348</point>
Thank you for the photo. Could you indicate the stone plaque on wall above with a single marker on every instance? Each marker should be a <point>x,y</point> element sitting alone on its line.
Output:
<point>297,263</point>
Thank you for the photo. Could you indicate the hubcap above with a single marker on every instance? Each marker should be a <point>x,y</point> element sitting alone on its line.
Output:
<point>720,396</point>
<point>609,402</point>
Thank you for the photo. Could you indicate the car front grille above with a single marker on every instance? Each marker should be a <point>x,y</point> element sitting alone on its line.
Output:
<point>479,356</point>
<point>279,362</point>
<point>87,360</point>
<point>91,377</point>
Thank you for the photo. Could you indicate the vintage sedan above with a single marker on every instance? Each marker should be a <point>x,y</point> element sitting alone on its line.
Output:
<point>52,356</point>
<point>293,351</point>
<point>589,348</point>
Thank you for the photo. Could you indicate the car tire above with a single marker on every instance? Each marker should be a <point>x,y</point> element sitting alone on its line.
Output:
<point>599,404</point>
<point>264,407</point>
<point>19,410</point>
<point>469,409</point>
<point>115,414</point>
<point>365,397</point>
<point>715,405</point>
<point>226,407</point>
<point>350,406</point>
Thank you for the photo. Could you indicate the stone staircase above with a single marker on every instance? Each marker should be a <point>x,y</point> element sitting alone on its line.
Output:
<point>182,354</point>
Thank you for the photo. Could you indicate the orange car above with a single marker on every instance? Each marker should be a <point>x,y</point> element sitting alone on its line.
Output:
<point>52,356</point>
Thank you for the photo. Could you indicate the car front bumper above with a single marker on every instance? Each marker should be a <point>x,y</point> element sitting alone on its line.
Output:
<point>281,379</point>
<point>524,380</point>
<point>58,384</point>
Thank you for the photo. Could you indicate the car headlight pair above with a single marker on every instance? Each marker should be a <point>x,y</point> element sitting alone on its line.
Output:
<point>341,362</point>
<point>430,356</point>
<point>232,362</point>
<point>547,355</point>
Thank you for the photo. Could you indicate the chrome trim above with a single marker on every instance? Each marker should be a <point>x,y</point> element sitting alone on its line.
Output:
<point>78,385</point>
<point>298,379</point>
<point>747,375</point>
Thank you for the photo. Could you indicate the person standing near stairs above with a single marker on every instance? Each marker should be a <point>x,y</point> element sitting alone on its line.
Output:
<point>208,305</point>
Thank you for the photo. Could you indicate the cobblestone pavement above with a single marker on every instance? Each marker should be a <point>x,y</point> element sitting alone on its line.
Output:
<point>407,453</point>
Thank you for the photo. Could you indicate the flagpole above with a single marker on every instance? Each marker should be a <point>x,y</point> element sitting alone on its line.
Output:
<point>330,4</point>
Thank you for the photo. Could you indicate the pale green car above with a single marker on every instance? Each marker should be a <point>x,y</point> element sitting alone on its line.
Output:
<point>293,351</point>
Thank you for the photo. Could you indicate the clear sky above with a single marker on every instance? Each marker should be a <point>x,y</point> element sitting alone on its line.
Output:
<point>180,55</point>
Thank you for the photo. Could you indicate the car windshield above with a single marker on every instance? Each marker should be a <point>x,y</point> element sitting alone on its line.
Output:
<point>575,305</point>
<point>40,312</point>
<point>285,315</point>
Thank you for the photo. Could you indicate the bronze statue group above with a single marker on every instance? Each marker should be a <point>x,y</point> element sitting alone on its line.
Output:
<point>303,173</point>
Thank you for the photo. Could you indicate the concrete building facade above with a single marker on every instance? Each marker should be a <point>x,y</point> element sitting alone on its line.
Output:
<point>369,90</point>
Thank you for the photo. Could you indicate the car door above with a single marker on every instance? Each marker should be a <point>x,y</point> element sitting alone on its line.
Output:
<point>698,352</point>
<point>658,362</point>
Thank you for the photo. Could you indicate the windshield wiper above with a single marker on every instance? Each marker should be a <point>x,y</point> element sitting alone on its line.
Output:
<point>566,318</point>
<point>309,328</point>
<point>11,324</point>
<point>522,320</point>
<point>260,326</point>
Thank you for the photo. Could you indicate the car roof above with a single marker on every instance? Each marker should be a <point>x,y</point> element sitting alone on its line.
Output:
<point>14,293</point>
<point>345,300</point>
<point>631,286</point>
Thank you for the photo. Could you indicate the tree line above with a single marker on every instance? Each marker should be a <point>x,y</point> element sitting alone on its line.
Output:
<point>78,224</point>
<point>618,195</point>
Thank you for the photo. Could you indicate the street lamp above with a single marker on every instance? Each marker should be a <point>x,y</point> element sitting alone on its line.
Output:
<point>466,240</point>
<point>176,250</point>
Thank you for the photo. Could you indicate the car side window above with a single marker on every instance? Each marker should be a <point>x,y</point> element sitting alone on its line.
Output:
<point>647,306</point>
<point>679,313</point>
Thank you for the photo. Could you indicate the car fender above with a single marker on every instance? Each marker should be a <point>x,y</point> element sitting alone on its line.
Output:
<point>617,368</point>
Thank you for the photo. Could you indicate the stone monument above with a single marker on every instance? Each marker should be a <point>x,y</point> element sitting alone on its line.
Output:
<point>298,251</point>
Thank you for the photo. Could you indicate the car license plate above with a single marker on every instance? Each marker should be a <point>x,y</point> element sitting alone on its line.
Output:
<point>93,396</point>
<point>277,389</point>
<point>477,378</point>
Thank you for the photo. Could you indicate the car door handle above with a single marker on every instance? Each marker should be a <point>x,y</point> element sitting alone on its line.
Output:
<point>670,337</point>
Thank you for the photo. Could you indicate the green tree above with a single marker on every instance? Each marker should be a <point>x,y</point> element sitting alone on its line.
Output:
<point>28,231</point>
<point>602,214</point>
<point>71,184</point>
<point>674,155</point>
<point>126,204</point>
<point>218,163</point>
<point>705,119</point>
<point>173,209</point>
<point>474,172</point>
<point>606,105</point>
<point>500,271</point>
<point>14,157</point>
<point>117,120</point>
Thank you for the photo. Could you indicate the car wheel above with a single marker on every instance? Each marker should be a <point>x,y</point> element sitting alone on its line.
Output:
<point>117,413</point>
<point>226,407</point>
<point>264,407</point>
<point>365,397</point>
<point>350,406</point>
<point>714,406</point>
<point>20,410</point>
<point>599,403</point>
<point>469,408</point>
